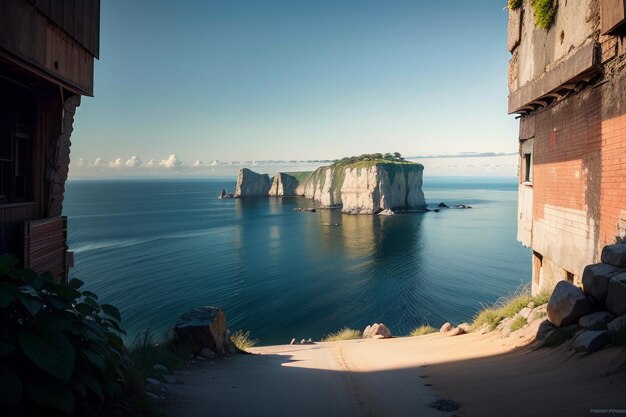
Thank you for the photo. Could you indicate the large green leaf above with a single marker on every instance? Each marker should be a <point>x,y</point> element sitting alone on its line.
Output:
<point>51,352</point>
<point>111,311</point>
<point>24,275</point>
<point>95,358</point>
<point>90,294</point>
<point>31,304</point>
<point>84,309</point>
<point>10,386</point>
<point>76,283</point>
<point>67,292</point>
<point>55,394</point>
<point>8,294</point>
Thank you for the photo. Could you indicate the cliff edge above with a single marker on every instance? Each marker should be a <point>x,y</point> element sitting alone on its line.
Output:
<point>363,187</point>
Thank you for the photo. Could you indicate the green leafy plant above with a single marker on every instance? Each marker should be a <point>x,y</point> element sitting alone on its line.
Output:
<point>422,330</point>
<point>60,350</point>
<point>514,4</point>
<point>544,11</point>
<point>343,334</point>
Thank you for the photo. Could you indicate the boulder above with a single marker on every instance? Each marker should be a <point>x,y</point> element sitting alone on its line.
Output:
<point>456,331</point>
<point>376,330</point>
<point>445,328</point>
<point>203,327</point>
<point>614,255</point>
<point>567,304</point>
<point>590,341</point>
<point>595,321</point>
<point>596,279</point>
<point>616,295</point>
<point>465,327</point>
<point>525,312</point>
<point>617,325</point>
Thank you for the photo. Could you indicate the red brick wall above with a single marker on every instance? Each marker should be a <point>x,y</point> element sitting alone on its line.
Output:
<point>613,198</point>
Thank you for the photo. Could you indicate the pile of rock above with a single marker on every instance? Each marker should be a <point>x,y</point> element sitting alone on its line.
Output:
<point>376,331</point>
<point>450,330</point>
<point>599,308</point>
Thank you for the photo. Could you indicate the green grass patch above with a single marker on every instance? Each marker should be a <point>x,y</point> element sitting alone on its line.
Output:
<point>559,336</point>
<point>422,330</point>
<point>504,308</point>
<point>144,353</point>
<point>343,334</point>
<point>518,323</point>
<point>542,298</point>
<point>242,340</point>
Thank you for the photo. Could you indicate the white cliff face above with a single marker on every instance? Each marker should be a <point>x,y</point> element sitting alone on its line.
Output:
<point>367,190</point>
<point>283,185</point>
<point>356,189</point>
<point>251,184</point>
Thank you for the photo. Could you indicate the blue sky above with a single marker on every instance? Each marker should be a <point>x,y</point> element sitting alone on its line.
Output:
<point>295,80</point>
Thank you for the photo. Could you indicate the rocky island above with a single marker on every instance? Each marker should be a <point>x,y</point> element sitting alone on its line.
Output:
<point>367,184</point>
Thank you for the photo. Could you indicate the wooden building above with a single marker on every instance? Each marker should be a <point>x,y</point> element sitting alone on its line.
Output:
<point>567,83</point>
<point>47,51</point>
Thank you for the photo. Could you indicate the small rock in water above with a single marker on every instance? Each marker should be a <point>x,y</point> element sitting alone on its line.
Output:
<point>445,328</point>
<point>386,212</point>
<point>442,205</point>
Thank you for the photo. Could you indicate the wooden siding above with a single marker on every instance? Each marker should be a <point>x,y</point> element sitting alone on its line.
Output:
<point>613,13</point>
<point>78,18</point>
<point>45,246</point>
<point>33,41</point>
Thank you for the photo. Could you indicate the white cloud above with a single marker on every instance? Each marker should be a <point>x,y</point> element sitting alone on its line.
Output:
<point>118,163</point>
<point>214,163</point>
<point>99,162</point>
<point>133,162</point>
<point>171,162</point>
<point>198,164</point>
<point>152,163</point>
<point>80,163</point>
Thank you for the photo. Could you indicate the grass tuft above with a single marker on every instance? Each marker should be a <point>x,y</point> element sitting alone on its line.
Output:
<point>343,334</point>
<point>243,340</point>
<point>514,4</point>
<point>542,298</point>
<point>422,330</point>
<point>504,308</point>
<point>518,323</point>
<point>544,11</point>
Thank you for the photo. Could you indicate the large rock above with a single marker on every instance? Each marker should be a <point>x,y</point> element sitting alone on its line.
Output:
<point>615,255</point>
<point>366,188</point>
<point>376,330</point>
<point>616,295</point>
<point>251,184</point>
<point>567,304</point>
<point>203,327</point>
<point>445,328</point>
<point>590,341</point>
<point>595,321</point>
<point>617,325</point>
<point>596,279</point>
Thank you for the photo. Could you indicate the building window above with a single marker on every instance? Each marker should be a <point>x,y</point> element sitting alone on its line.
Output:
<point>16,147</point>
<point>528,167</point>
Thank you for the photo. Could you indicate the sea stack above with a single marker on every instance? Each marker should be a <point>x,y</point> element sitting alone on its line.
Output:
<point>251,184</point>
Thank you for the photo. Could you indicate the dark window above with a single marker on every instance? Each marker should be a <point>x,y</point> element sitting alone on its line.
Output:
<point>528,164</point>
<point>16,145</point>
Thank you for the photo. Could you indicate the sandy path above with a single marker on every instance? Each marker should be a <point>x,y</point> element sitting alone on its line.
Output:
<point>488,375</point>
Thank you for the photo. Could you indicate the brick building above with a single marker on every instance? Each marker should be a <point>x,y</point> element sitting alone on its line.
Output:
<point>567,83</point>
<point>47,52</point>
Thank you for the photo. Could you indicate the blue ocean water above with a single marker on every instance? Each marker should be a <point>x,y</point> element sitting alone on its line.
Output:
<point>157,248</point>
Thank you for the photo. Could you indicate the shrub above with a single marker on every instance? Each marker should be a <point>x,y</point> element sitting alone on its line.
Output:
<point>544,11</point>
<point>60,350</point>
<point>518,323</point>
<point>514,4</point>
<point>243,340</point>
<point>422,330</point>
<point>343,334</point>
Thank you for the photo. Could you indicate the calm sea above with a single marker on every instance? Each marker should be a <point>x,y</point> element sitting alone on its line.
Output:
<point>157,248</point>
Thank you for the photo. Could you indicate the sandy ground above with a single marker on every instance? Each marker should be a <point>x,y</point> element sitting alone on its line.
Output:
<point>485,375</point>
